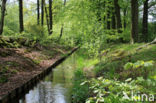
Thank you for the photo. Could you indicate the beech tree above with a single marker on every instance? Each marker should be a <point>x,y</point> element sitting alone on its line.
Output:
<point>3,7</point>
<point>145,21</point>
<point>113,20</point>
<point>50,17</point>
<point>38,12</point>
<point>134,20</point>
<point>61,32</point>
<point>118,15</point>
<point>21,15</point>
<point>47,19</point>
<point>42,12</point>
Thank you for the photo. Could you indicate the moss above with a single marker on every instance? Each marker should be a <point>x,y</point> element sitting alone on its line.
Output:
<point>21,40</point>
<point>3,79</point>
<point>1,67</point>
<point>14,71</point>
<point>5,44</point>
<point>36,61</point>
<point>33,43</point>
<point>12,42</point>
<point>26,43</point>
<point>17,45</point>
<point>113,62</point>
<point>1,41</point>
<point>12,63</point>
<point>4,69</point>
<point>4,54</point>
<point>49,53</point>
<point>28,50</point>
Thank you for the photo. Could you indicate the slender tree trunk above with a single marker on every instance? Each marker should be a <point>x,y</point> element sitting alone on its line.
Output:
<point>61,32</point>
<point>42,11</point>
<point>21,15</point>
<point>2,16</point>
<point>134,18</point>
<point>108,21</point>
<point>62,28</point>
<point>118,16</point>
<point>47,18</point>
<point>113,19</point>
<point>50,17</point>
<point>145,22</point>
<point>125,13</point>
<point>64,2</point>
<point>38,12</point>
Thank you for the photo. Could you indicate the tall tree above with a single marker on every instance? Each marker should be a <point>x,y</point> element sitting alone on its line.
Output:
<point>125,14</point>
<point>145,21</point>
<point>21,15</point>
<point>113,19</point>
<point>38,12</point>
<point>109,12</point>
<point>108,21</point>
<point>42,11</point>
<point>118,15</point>
<point>62,28</point>
<point>47,19</point>
<point>134,19</point>
<point>3,7</point>
<point>50,17</point>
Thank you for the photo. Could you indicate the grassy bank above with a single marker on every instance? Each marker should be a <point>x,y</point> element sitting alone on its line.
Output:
<point>119,70</point>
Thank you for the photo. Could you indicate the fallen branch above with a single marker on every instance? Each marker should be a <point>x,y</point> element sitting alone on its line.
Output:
<point>153,42</point>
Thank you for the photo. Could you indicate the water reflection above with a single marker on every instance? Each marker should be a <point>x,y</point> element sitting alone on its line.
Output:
<point>55,88</point>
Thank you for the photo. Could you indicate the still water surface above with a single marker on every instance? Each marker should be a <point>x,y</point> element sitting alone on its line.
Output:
<point>56,87</point>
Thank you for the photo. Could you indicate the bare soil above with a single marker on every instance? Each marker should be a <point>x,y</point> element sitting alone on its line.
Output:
<point>19,65</point>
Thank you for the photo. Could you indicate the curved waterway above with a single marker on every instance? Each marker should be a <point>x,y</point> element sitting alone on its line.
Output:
<point>56,87</point>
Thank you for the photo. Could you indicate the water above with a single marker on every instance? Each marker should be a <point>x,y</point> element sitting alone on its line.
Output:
<point>56,87</point>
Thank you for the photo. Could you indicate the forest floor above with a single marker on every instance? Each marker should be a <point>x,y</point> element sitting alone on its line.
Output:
<point>19,63</point>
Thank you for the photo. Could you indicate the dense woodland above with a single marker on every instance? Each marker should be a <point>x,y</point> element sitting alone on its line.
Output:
<point>123,21</point>
<point>116,38</point>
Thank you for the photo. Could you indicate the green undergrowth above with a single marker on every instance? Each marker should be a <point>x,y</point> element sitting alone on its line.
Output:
<point>129,55</point>
<point>16,42</point>
<point>80,93</point>
<point>3,71</point>
<point>111,66</point>
<point>7,69</point>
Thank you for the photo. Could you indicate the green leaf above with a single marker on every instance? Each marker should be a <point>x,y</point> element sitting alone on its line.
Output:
<point>128,80</point>
<point>128,66</point>
<point>83,83</point>
<point>148,64</point>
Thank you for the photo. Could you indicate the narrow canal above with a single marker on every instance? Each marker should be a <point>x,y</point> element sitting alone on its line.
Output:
<point>56,87</point>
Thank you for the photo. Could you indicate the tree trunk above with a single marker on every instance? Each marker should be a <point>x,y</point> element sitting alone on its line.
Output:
<point>108,21</point>
<point>64,2</point>
<point>134,18</point>
<point>145,22</point>
<point>2,16</point>
<point>21,15</point>
<point>47,18</point>
<point>61,32</point>
<point>50,17</point>
<point>118,16</point>
<point>62,28</point>
<point>125,13</point>
<point>38,12</point>
<point>42,11</point>
<point>113,21</point>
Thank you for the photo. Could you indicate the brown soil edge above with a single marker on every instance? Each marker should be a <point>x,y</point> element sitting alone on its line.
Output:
<point>20,91</point>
